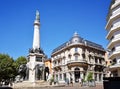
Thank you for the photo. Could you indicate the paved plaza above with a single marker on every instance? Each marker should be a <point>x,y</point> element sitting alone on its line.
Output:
<point>75,86</point>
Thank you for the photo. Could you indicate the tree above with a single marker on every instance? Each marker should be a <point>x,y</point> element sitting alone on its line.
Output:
<point>6,67</point>
<point>20,60</point>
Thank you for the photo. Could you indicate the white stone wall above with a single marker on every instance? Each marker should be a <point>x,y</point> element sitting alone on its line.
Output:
<point>63,57</point>
<point>117,1</point>
<point>116,10</point>
<point>115,24</point>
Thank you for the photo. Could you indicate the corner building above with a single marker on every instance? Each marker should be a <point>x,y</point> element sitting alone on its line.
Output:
<point>76,58</point>
<point>113,28</point>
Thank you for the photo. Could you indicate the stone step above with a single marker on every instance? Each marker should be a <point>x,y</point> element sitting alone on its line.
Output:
<point>31,84</point>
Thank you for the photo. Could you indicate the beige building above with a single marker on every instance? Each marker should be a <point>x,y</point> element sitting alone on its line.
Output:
<point>76,58</point>
<point>48,64</point>
<point>113,28</point>
<point>108,64</point>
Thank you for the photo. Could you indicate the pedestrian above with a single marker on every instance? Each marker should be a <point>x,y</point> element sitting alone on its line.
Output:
<point>67,81</point>
<point>71,81</point>
<point>80,80</point>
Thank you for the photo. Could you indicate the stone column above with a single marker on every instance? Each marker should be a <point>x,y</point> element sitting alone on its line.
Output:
<point>73,76</point>
<point>58,76</point>
<point>68,76</point>
<point>97,77</point>
<point>62,76</point>
<point>101,77</point>
<point>98,60</point>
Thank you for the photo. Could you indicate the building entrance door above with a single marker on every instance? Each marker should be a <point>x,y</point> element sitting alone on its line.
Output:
<point>77,74</point>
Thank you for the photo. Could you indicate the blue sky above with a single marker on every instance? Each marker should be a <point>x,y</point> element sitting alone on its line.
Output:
<point>59,20</point>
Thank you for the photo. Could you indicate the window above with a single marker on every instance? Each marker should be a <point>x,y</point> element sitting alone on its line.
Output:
<point>76,49</point>
<point>100,61</point>
<point>64,76</point>
<point>61,76</point>
<point>110,61</point>
<point>106,62</point>
<point>69,56</point>
<point>55,62</point>
<point>114,61</point>
<point>39,59</point>
<point>95,60</point>
<point>76,57</point>
<point>113,49</point>
<point>95,77</point>
<point>100,77</point>
<point>56,77</point>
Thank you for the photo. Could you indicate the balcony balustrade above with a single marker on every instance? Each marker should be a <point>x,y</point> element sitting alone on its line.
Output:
<point>112,30</point>
<point>111,42</point>
<point>112,18</point>
<point>76,53</point>
<point>115,4</point>
<point>114,67</point>
<point>79,61</point>
<point>99,55</point>
<point>57,65</point>
<point>114,53</point>
<point>98,63</point>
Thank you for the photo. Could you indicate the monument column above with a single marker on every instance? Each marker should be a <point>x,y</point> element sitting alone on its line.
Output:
<point>36,38</point>
<point>36,54</point>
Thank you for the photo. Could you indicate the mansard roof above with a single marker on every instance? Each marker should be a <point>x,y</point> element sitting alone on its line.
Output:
<point>76,39</point>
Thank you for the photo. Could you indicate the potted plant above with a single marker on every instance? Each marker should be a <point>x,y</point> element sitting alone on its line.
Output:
<point>51,80</point>
<point>90,79</point>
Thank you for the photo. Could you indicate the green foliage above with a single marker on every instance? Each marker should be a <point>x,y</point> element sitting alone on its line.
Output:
<point>6,67</point>
<point>9,67</point>
<point>90,76</point>
<point>19,61</point>
<point>51,80</point>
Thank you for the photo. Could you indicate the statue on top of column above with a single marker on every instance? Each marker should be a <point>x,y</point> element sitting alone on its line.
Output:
<point>37,15</point>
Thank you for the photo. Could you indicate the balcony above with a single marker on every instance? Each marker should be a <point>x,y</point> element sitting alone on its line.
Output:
<point>115,4</point>
<point>79,62</point>
<point>76,53</point>
<point>99,64</point>
<point>113,41</point>
<point>112,30</point>
<point>114,67</point>
<point>57,66</point>
<point>98,55</point>
<point>112,18</point>
<point>114,54</point>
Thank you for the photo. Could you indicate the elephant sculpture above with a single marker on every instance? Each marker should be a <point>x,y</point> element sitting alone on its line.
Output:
<point>39,72</point>
<point>23,72</point>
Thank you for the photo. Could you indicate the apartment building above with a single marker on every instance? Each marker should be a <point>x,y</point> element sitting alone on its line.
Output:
<point>76,58</point>
<point>113,35</point>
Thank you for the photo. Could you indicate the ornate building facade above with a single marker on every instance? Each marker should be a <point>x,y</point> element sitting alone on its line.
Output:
<point>76,58</point>
<point>113,28</point>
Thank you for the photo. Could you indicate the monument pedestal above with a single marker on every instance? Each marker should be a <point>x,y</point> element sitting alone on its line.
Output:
<point>36,67</point>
